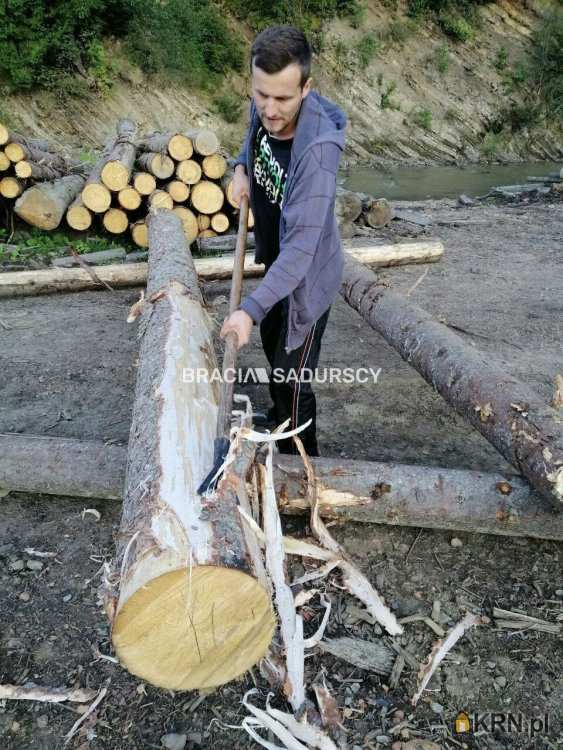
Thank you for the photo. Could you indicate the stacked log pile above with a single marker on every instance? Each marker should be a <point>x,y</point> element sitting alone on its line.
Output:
<point>182,171</point>
<point>35,180</point>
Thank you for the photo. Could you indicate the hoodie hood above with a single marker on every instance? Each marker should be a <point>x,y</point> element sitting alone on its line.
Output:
<point>320,121</point>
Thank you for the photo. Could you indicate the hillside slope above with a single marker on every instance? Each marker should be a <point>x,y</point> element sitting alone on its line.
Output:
<point>420,98</point>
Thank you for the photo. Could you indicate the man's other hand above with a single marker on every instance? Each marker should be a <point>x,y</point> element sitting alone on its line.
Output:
<point>240,184</point>
<point>241,323</point>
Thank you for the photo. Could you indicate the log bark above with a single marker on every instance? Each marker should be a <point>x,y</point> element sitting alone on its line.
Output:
<point>347,207</point>
<point>525,430</point>
<point>191,611</point>
<point>204,141</point>
<point>28,169</point>
<point>178,145</point>
<point>95,195</point>
<point>45,204</point>
<point>376,212</point>
<point>361,491</point>
<point>222,244</point>
<point>23,283</point>
<point>118,168</point>
<point>159,165</point>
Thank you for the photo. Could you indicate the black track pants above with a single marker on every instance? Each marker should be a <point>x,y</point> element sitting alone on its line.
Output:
<point>293,399</point>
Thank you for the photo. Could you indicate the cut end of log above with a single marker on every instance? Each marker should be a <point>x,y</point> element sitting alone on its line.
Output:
<point>144,183</point>
<point>207,197</point>
<point>23,169</point>
<point>161,199</point>
<point>140,234</point>
<point>15,152</point>
<point>10,187</point>
<point>129,198</point>
<point>5,163</point>
<point>189,222</point>
<point>189,171</point>
<point>194,628</point>
<point>180,147</point>
<point>96,197</point>
<point>115,175</point>
<point>78,217</point>
<point>214,166</point>
<point>179,191</point>
<point>116,221</point>
<point>4,134</point>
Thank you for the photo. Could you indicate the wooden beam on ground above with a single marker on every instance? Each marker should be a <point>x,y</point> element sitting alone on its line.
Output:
<point>192,609</point>
<point>363,491</point>
<point>52,281</point>
<point>514,419</point>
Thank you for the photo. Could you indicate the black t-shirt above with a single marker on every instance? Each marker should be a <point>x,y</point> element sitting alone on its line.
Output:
<point>270,167</point>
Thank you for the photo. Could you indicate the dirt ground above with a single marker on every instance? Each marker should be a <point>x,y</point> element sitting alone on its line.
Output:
<point>67,369</point>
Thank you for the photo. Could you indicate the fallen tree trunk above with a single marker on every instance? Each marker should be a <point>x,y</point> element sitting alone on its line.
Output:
<point>45,204</point>
<point>363,491</point>
<point>118,168</point>
<point>179,146</point>
<point>191,612</point>
<point>157,164</point>
<point>525,430</point>
<point>51,281</point>
<point>219,244</point>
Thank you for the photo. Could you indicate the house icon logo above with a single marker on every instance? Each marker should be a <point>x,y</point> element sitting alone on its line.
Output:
<point>462,723</point>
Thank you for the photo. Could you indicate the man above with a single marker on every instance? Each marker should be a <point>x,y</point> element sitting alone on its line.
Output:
<point>288,168</point>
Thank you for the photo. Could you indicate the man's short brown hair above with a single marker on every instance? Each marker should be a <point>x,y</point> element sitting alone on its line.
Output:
<point>279,46</point>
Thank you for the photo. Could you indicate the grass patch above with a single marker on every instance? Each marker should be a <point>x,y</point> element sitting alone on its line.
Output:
<point>422,117</point>
<point>501,60</point>
<point>442,58</point>
<point>36,243</point>
<point>366,49</point>
<point>386,102</point>
<point>229,106</point>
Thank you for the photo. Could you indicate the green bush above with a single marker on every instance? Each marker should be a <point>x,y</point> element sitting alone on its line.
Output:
<point>457,27</point>
<point>442,58</point>
<point>44,42</point>
<point>187,39</point>
<point>366,49</point>
<point>501,59</point>
<point>398,30</point>
<point>229,106</point>
<point>546,63</point>
<point>262,13</point>
<point>386,102</point>
<point>422,117</point>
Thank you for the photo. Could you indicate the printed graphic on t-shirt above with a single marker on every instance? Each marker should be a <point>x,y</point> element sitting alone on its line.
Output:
<point>268,172</point>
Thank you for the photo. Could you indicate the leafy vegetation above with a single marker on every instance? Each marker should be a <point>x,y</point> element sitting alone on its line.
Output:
<point>501,59</point>
<point>229,106</point>
<point>386,102</point>
<point>366,49</point>
<point>442,58</point>
<point>36,243</point>
<point>457,18</point>
<point>546,63</point>
<point>422,117</point>
<point>43,43</point>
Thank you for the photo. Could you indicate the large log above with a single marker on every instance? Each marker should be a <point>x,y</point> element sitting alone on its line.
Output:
<point>522,427</point>
<point>205,142</point>
<point>95,195</point>
<point>51,281</point>
<point>178,145</point>
<point>191,611</point>
<point>207,197</point>
<point>363,491</point>
<point>78,216</point>
<point>10,187</point>
<point>118,168</point>
<point>157,164</point>
<point>45,204</point>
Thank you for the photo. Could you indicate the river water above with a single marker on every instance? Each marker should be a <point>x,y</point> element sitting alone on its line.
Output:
<point>420,183</point>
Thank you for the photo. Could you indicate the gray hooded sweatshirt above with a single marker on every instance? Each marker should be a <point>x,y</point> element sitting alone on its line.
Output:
<point>308,269</point>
